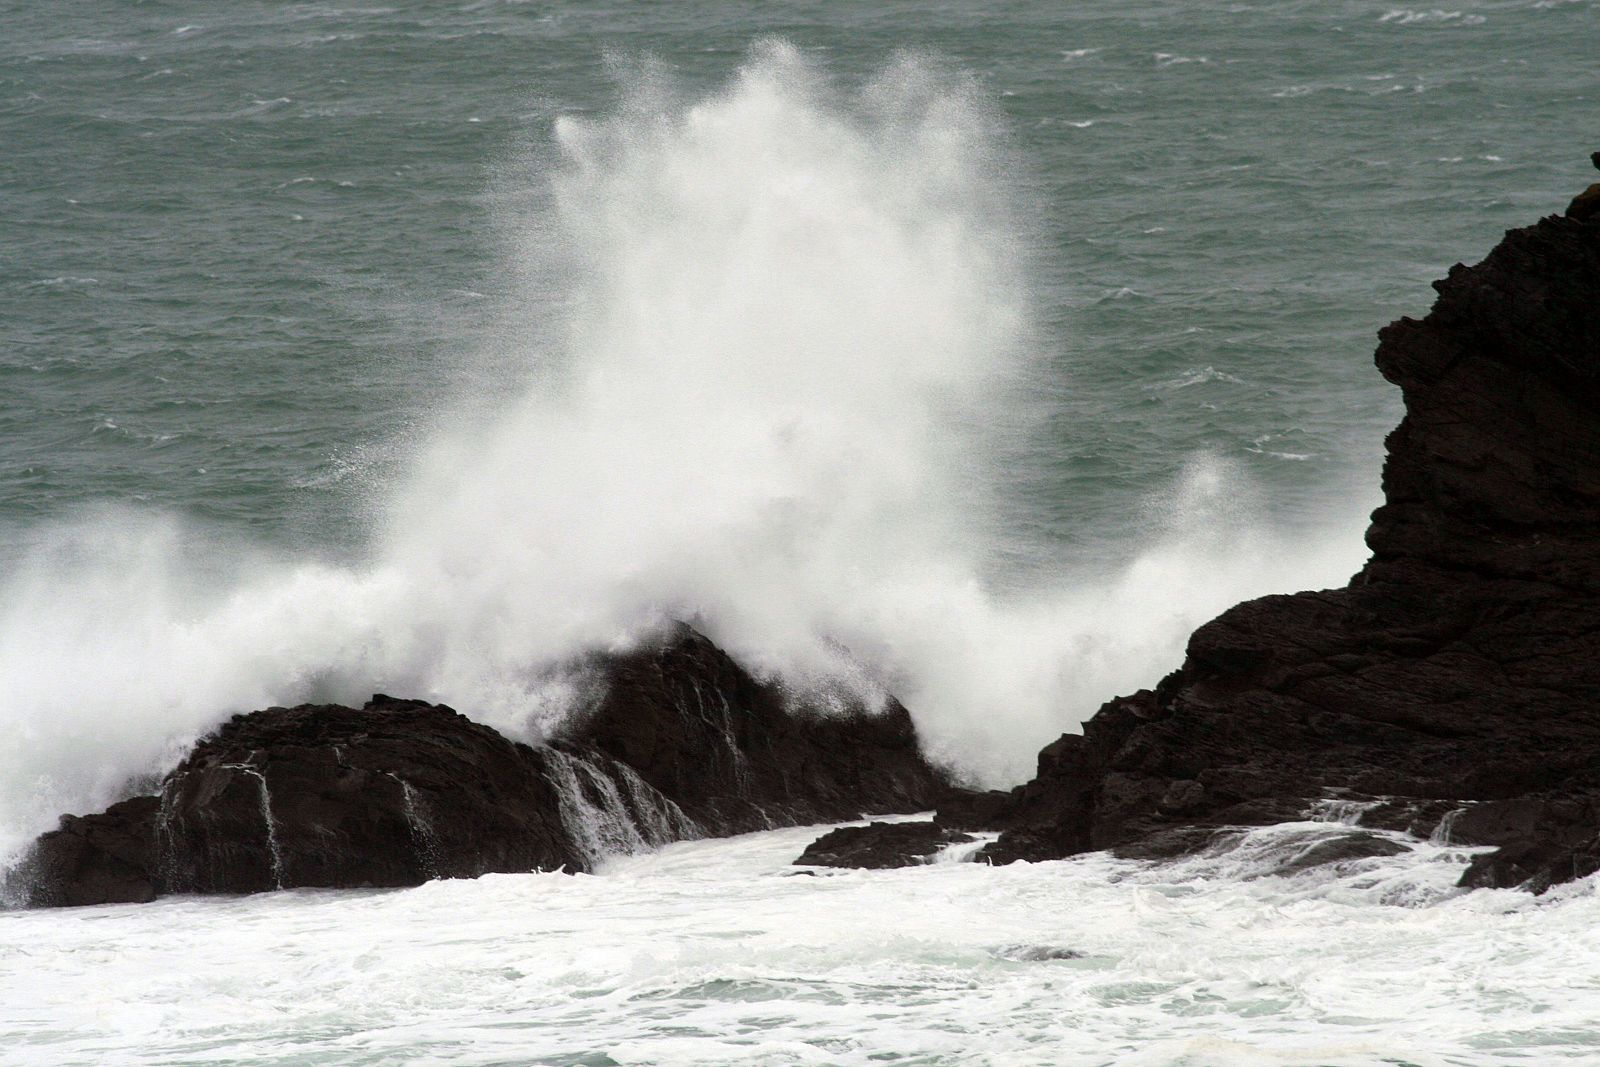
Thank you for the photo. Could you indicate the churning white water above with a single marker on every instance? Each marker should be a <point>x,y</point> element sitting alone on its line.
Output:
<point>719,952</point>
<point>794,367</point>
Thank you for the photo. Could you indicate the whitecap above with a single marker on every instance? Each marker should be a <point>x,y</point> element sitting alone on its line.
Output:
<point>64,280</point>
<point>1198,376</point>
<point>1407,17</point>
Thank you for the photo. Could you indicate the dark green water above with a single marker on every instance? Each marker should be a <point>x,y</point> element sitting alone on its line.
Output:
<point>248,246</point>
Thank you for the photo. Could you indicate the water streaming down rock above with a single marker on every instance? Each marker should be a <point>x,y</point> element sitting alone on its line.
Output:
<point>962,851</point>
<point>273,850</point>
<point>424,837</point>
<point>1442,833</point>
<point>228,840</point>
<point>592,809</point>
<point>166,856</point>
<point>1343,810</point>
<point>658,817</point>
<point>718,718</point>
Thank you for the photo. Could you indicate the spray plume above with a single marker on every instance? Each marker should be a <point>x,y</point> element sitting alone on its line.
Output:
<point>795,368</point>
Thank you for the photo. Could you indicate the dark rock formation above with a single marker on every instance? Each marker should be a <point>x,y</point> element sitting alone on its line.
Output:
<point>391,794</point>
<point>737,756</point>
<point>93,859</point>
<point>1459,669</point>
<point>964,809</point>
<point>684,743</point>
<point>880,845</point>
<point>1284,852</point>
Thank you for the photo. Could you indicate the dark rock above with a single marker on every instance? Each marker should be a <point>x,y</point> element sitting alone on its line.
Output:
<point>1459,668</point>
<point>1534,865</point>
<point>1283,854</point>
<point>1183,795</point>
<point>1586,204</point>
<point>683,743</point>
<point>1341,849</point>
<point>94,859</point>
<point>880,845</point>
<point>1260,811</point>
<point>391,794</point>
<point>1037,953</point>
<point>966,809</point>
<point>1420,818</point>
<point>1175,843</point>
<point>738,755</point>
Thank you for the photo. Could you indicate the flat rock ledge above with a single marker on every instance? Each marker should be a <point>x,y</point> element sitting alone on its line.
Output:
<point>1454,683</point>
<point>683,744</point>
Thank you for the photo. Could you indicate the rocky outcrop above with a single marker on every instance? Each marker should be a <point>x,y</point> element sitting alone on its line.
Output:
<point>683,743</point>
<point>881,845</point>
<point>92,859</point>
<point>1458,674</point>
<point>740,754</point>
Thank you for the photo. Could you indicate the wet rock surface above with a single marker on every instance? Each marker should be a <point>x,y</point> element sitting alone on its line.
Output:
<point>683,743</point>
<point>738,757</point>
<point>881,845</point>
<point>1459,669</point>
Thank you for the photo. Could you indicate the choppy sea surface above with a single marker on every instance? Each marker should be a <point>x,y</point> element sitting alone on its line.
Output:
<point>972,355</point>
<point>720,952</point>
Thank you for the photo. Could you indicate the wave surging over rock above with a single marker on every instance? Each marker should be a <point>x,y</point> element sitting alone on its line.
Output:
<point>794,362</point>
<point>681,743</point>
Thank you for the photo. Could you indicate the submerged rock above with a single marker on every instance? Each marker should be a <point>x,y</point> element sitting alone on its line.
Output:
<point>881,845</point>
<point>684,743</point>
<point>1037,953</point>
<point>1461,665</point>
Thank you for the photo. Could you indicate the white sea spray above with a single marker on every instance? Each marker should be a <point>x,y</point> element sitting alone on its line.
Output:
<point>798,363</point>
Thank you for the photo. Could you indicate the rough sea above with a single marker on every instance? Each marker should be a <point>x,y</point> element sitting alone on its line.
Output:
<point>973,353</point>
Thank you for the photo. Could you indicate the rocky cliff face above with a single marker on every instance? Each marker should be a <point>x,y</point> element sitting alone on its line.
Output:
<point>684,743</point>
<point>1457,677</point>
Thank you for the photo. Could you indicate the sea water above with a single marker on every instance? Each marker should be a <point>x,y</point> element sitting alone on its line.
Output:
<point>971,356</point>
<point>721,952</point>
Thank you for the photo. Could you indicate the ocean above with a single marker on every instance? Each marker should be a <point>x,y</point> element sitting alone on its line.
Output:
<point>975,356</point>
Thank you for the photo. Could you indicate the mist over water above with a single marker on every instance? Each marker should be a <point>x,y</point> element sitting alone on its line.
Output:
<point>796,370</point>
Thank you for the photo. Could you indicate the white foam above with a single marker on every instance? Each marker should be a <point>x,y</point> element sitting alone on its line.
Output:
<point>720,953</point>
